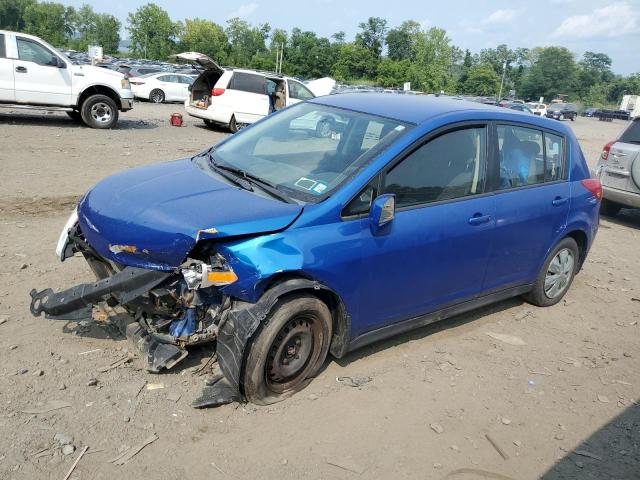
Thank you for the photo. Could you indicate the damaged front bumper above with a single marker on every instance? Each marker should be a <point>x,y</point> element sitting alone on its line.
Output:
<point>172,310</point>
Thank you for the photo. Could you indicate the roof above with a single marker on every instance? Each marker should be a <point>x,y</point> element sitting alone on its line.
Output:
<point>418,109</point>
<point>406,108</point>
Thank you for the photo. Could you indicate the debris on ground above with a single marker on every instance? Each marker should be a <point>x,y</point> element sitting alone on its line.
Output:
<point>121,361</point>
<point>128,454</point>
<point>75,464</point>
<point>436,427</point>
<point>63,439</point>
<point>155,386</point>
<point>346,464</point>
<point>508,339</point>
<point>68,449</point>
<point>498,448</point>
<point>50,406</point>
<point>92,382</point>
<point>354,381</point>
<point>584,453</point>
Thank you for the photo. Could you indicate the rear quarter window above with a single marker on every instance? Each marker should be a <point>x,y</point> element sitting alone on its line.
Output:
<point>632,133</point>
<point>248,82</point>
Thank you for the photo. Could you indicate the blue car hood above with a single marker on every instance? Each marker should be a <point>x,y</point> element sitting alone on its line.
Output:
<point>151,217</point>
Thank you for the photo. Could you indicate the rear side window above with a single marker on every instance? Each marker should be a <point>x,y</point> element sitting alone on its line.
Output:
<point>248,82</point>
<point>632,133</point>
<point>168,78</point>
<point>187,80</point>
<point>3,51</point>
<point>528,156</point>
<point>450,166</point>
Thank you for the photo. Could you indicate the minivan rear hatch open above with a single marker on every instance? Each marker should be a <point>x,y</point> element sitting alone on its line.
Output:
<point>202,88</point>
<point>201,59</point>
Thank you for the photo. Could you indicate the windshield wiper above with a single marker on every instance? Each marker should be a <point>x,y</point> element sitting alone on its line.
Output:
<point>235,178</point>
<point>263,184</point>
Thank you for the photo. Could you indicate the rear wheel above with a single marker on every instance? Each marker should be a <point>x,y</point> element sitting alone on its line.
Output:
<point>288,351</point>
<point>609,208</point>
<point>156,96</point>
<point>323,128</point>
<point>99,111</point>
<point>556,275</point>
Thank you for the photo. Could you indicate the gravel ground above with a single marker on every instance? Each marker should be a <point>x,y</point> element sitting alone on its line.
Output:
<point>446,401</point>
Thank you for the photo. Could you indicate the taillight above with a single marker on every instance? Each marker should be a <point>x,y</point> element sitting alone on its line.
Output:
<point>594,186</point>
<point>607,148</point>
<point>216,92</point>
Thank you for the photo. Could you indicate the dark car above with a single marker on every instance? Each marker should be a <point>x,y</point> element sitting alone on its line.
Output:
<point>562,111</point>
<point>591,112</point>
<point>281,247</point>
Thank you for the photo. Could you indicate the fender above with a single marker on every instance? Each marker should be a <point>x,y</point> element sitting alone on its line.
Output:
<point>77,97</point>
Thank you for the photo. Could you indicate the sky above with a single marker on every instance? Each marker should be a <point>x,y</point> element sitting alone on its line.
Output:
<point>611,27</point>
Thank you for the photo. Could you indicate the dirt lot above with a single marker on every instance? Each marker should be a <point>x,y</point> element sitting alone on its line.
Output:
<point>562,405</point>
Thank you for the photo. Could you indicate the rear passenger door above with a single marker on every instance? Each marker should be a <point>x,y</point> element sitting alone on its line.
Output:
<point>298,93</point>
<point>249,100</point>
<point>532,203</point>
<point>7,87</point>
<point>436,249</point>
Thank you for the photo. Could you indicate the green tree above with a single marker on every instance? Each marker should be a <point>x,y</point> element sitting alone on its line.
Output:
<point>152,33</point>
<point>206,37</point>
<point>372,35</point>
<point>309,56</point>
<point>552,73</point>
<point>432,69</point>
<point>393,73</point>
<point>247,42</point>
<point>355,62</point>
<point>51,21</point>
<point>96,29</point>
<point>401,41</point>
<point>12,14</point>
<point>481,80</point>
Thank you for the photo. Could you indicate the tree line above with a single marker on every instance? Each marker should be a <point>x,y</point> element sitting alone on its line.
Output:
<point>377,55</point>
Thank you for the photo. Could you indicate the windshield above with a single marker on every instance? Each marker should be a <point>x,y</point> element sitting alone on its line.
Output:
<point>308,150</point>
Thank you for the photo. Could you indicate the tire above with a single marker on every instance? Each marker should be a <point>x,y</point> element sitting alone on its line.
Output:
<point>288,351</point>
<point>324,129</point>
<point>75,115</point>
<point>545,297</point>
<point>233,126</point>
<point>609,208</point>
<point>99,111</point>
<point>156,96</point>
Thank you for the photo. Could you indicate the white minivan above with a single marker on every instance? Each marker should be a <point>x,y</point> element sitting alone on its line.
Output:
<point>237,97</point>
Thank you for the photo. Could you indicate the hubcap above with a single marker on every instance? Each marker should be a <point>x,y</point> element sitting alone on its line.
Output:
<point>157,97</point>
<point>559,273</point>
<point>101,112</point>
<point>293,352</point>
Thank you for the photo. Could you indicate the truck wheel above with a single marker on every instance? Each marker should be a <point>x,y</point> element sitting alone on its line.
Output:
<point>556,275</point>
<point>156,96</point>
<point>75,115</point>
<point>99,111</point>
<point>289,349</point>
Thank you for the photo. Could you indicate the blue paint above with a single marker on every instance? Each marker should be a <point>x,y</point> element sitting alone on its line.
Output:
<point>426,258</point>
<point>184,326</point>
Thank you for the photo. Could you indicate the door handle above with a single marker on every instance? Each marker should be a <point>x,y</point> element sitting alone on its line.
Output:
<point>479,219</point>
<point>21,69</point>
<point>558,201</point>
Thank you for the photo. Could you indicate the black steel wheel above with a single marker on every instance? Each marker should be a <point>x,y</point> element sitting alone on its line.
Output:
<point>288,351</point>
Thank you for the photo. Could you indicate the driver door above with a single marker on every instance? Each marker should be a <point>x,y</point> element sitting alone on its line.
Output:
<point>38,79</point>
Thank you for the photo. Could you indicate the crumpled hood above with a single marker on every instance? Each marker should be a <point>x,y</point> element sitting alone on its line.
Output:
<point>151,217</point>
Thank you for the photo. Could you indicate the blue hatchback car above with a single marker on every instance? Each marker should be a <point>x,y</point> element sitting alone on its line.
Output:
<point>280,245</point>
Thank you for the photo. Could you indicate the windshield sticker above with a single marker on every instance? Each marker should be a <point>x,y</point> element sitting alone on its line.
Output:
<point>319,188</point>
<point>399,128</point>
<point>305,183</point>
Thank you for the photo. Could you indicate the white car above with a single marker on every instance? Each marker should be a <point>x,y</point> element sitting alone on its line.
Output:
<point>162,87</point>
<point>238,97</point>
<point>539,109</point>
<point>34,75</point>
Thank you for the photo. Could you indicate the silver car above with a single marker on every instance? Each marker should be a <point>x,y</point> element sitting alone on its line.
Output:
<point>619,171</point>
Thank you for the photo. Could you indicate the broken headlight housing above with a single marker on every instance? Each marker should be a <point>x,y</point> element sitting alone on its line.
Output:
<point>199,274</point>
<point>63,240</point>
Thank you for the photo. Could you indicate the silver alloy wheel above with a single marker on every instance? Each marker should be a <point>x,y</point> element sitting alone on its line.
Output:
<point>559,273</point>
<point>101,112</point>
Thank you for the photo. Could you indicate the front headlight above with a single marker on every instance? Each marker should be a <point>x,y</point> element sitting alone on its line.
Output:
<point>202,275</point>
<point>63,241</point>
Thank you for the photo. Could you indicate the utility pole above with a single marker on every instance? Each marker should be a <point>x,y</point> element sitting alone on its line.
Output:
<point>504,70</point>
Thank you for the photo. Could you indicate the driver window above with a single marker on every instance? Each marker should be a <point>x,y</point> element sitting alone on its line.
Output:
<point>33,52</point>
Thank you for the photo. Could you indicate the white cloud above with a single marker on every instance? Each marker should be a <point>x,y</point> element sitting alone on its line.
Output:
<point>500,16</point>
<point>244,11</point>
<point>614,20</point>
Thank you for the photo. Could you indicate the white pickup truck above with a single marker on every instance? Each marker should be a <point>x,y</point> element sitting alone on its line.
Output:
<point>35,75</point>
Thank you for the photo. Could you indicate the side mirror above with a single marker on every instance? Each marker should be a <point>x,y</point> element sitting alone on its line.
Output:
<point>383,210</point>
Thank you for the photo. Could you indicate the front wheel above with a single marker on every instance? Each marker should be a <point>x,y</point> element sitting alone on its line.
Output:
<point>556,275</point>
<point>99,111</point>
<point>288,351</point>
